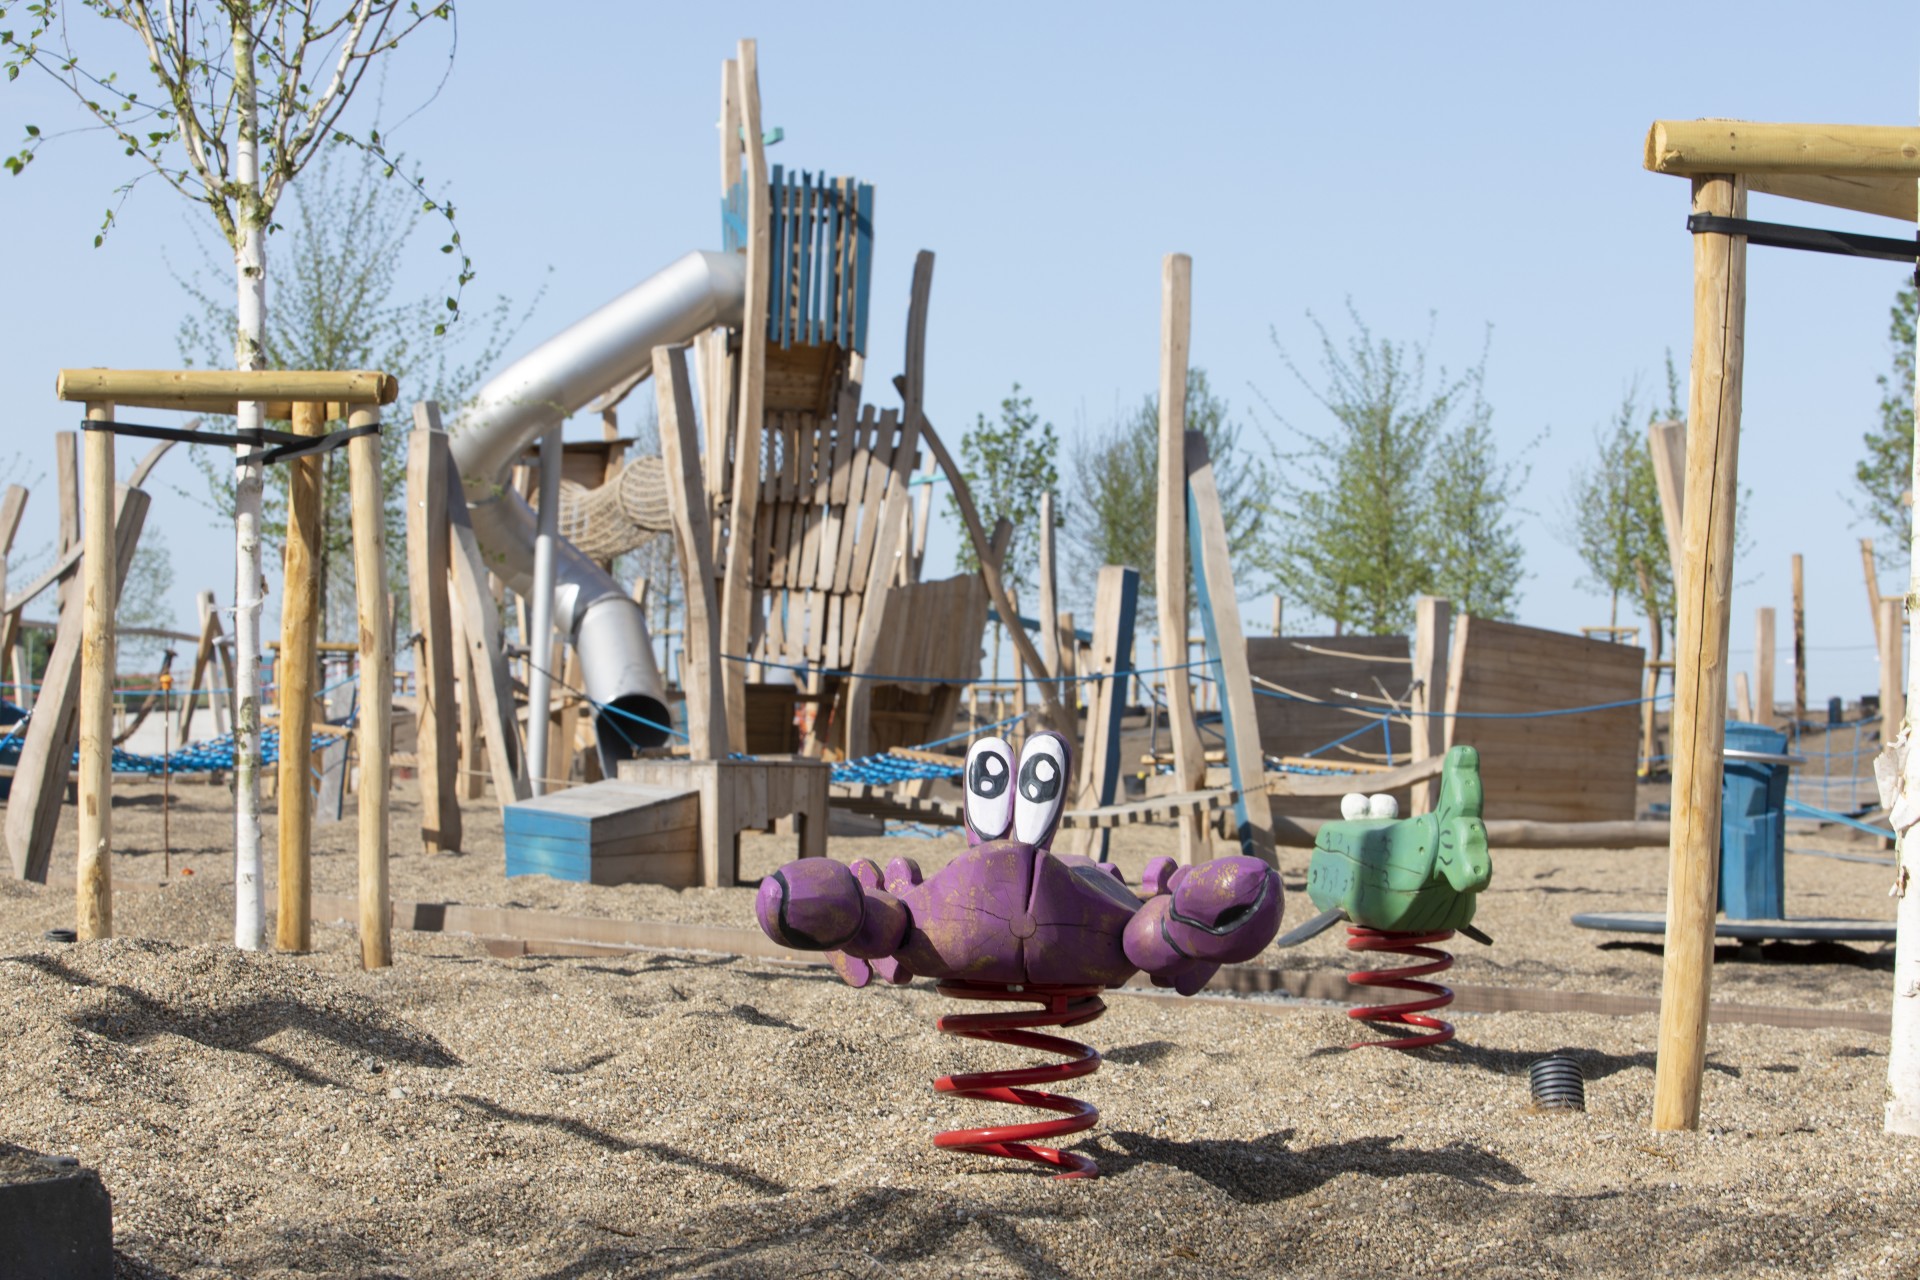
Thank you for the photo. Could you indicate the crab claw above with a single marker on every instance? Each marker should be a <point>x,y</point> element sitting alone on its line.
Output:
<point>819,905</point>
<point>1221,912</point>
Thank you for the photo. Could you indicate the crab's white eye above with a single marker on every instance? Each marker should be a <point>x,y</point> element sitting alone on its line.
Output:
<point>1382,807</point>
<point>1042,789</point>
<point>989,788</point>
<point>1353,806</point>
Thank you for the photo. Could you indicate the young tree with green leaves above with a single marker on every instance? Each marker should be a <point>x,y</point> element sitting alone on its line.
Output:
<point>1116,477</point>
<point>1404,492</point>
<point>1612,517</point>
<point>249,92</point>
<point>1884,476</point>
<point>340,304</point>
<point>1008,466</point>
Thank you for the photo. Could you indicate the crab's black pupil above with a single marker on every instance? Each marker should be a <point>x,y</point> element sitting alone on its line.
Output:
<point>988,777</point>
<point>1040,779</point>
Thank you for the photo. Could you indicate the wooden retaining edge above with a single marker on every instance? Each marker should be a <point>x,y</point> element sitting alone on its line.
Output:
<point>517,931</point>
<point>878,800</point>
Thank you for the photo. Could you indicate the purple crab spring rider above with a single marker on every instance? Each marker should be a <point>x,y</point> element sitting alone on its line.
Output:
<point>1011,920</point>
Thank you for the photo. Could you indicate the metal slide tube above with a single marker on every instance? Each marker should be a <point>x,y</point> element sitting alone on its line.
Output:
<point>538,392</point>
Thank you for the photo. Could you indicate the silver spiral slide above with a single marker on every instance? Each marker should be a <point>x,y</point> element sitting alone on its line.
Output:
<point>539,391</point>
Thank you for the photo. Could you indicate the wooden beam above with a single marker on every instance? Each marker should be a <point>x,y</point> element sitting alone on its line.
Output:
<point>1799,643</point>
<point>1763,668</point>
<point>1432,630</point>
<point>1869,168</point>
<point>375,739</point>
<point>99,592</point>
<point>1116,601</point>
<point>1170,557</point>
<point>39,777</point>
<point>1893,635</point>
<point>299,633</point>
<point>1667,442</point>
<point>1219,607</point>
<point>490,687</point>
<point>1699,711</point>
<point>708,733</point>
<point>737,602</point>
<point>428,565</point>
<point>218,390</point>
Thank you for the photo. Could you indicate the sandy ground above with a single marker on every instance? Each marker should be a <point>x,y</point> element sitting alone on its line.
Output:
<point>661,1115</point>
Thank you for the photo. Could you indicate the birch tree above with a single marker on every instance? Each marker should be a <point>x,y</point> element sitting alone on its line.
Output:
<point>248,92</point>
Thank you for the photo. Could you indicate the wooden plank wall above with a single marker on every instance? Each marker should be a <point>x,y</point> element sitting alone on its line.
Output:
<point>821,495</point>
<point>1577,768</point>
<point>1294,728</point>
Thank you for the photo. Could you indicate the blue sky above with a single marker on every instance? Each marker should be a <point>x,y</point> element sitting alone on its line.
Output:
<point>1476,164</point>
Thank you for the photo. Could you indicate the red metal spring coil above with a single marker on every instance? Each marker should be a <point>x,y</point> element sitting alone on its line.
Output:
<point>1060,1007</point>
<point>1410,1013</point>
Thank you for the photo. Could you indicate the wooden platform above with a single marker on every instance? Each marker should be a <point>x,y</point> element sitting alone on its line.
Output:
<point>611,832</point>
<point>732,796</point>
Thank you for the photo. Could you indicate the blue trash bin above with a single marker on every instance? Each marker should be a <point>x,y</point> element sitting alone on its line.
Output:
<point>1753,826</point>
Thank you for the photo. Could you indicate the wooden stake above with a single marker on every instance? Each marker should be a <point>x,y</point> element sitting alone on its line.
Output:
<point>1276,615</point>
<point>1116,600</point>
<point>99,592</point>
<point>1799,644</point>
<point>1699,710</point>
<point>437,750</point>
<point>706,708</point>
<point>738,603</point>
<point>376,686</point>
<point>299,636</point>
<point>489,687</point>
<point>1049,606</point>
<point>473,757</point>
<point>1893,707</point>
<point>1872,575</point>
<point>1226,645</point>
<point>1433,629</point>
<point>1742,698</point>
<point>1763,668</point>
<point>1667,441</point>
<point>1170,558</point>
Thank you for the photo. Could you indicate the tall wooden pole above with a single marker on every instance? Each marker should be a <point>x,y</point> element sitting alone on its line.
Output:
<point>1432,630</point>
<point>376,686</point>
<point>1799,644</point>
<point>437,750</point>
<point>1872,574</point>
<point>299,647</point>
<point>1763,667</point>
<point>1049,606</point>
<point>1170,556</point>
<point>94,876</point>
<point>707,732</point>
<point>1700,684</point>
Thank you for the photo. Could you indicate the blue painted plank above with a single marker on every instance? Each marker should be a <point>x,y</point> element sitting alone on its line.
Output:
<point>803,219</point>
<point>1203,592</point>
<point>863,226</point>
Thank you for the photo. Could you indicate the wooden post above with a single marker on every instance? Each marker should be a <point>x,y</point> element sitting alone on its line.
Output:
<point>1742,697</point>
<point>1903,1054</point>
<point>1116,599</point>
<point>1700,685</point>
<point>1049,606</point>
<point>1433,628</point>
<point>376,686</point>
<point>1893,703</point>
<point>1668,443</point>
<point>706,708</point>
<point>1276,615</point>
<point>1763,668</point>
<point>737,604</point>
<point>1872,575</point>
<point>299,636</point>
<point>437,751</point>
<point>1226,645</point>
<point>1170,559</point>
<point>490,687</point>
<point>1799,644</point>
<point>473,757</point>
<point>99,592</point>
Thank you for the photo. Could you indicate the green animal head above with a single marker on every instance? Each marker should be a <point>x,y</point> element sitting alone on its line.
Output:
<point>1462,855</point>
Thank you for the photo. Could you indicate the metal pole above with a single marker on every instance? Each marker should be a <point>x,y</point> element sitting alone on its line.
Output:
<point>540,642</point>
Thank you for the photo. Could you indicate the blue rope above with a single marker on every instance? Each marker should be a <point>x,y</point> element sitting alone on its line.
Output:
<point>1827,815</point>
<point>1464,715</point>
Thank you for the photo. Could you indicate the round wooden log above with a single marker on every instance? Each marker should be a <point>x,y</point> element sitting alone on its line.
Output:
<point>208,390</point>
<point>376,687</point>
<point>94,871</point>
<point>299,633</point>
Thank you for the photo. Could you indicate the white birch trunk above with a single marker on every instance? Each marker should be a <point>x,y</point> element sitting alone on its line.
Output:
<point>1903,1058</point>
<point>250,262</point>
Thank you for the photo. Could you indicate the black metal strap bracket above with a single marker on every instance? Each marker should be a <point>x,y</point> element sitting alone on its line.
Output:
<point>286,444</point>
<point>1778,235</point>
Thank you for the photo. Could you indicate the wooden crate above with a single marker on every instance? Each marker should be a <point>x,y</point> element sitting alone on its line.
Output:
<point>611,832</point>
